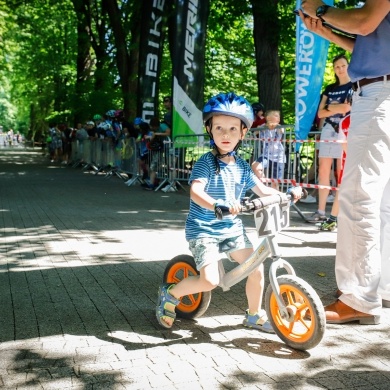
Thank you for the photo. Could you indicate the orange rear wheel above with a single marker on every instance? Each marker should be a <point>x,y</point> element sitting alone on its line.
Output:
<point>193,305</point>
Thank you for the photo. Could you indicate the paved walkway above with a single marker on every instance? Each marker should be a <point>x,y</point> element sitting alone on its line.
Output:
<point>80,261</point>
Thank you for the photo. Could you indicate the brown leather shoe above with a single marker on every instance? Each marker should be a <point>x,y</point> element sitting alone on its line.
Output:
<point>339,313</point>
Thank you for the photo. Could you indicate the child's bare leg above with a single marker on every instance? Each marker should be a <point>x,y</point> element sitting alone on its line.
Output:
<point>255,281</point>
<point>206,281</point>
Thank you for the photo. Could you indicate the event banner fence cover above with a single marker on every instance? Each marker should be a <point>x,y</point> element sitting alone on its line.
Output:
<point>188,84</point>
<point>151,45</point>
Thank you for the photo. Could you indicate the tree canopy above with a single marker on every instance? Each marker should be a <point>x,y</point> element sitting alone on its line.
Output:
<point>66,61</point>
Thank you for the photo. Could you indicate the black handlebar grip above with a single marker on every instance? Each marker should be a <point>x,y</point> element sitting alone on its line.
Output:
<point>220,211</point>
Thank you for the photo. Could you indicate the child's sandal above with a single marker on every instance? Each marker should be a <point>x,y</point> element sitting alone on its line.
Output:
<point>163,298</point>
<point>258,321</point>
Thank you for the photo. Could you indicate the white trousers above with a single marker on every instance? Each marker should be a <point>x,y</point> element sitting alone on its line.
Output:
<point>363,238</point>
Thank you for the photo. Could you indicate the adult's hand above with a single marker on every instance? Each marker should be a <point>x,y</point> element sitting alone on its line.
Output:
<point>309,7</point>
<point>315,25</point>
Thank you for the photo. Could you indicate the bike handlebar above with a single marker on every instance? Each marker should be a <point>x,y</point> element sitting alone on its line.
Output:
<point>254,204</point>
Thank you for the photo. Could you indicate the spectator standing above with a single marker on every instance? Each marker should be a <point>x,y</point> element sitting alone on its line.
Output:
<point>92,130</point>
<point>55,145</point>
<point>144,138</point>
<point>167,101</point>
<point>161,133</point>
<point>97,118</point>
<point>334,106</point>
<point>258,110</point>
<point>127,127</point>
<point>331,223</point>
<point>273,156</point>
<point>66,133</point>
<point>363,238</point>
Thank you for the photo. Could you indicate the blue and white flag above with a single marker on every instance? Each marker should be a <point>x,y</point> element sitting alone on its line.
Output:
<point>311,55</point>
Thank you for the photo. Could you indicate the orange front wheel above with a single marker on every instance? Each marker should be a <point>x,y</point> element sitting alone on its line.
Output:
<point>190,306</point>
<point>304,327</point>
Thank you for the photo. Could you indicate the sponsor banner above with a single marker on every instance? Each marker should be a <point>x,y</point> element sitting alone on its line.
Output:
<point>311,55</point>
<point>187,117</point>
<point>188,85</point>
<point>151,45</point>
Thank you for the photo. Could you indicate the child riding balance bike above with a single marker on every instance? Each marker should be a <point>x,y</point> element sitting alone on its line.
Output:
<point>218,181</point>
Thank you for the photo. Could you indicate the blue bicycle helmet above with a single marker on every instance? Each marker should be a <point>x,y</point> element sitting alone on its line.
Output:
<point>110,113</point>
<point>229,104</point>
<point>138,121</point>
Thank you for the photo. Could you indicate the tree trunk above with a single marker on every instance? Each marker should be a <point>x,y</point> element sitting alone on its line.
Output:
<point>84,64</point>
<point>127,68</point>
<point>266,31</point>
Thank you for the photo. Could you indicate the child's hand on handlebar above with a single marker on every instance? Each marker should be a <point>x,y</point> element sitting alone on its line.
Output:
<point>234,206</point>
<point>297,193</point>
<point>222,207</point>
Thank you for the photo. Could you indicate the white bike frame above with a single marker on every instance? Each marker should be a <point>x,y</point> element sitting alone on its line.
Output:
<point>268,221</point>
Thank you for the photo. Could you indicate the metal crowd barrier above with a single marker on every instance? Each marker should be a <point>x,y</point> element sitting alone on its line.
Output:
<point>103,156</point>
<point>173,164</point>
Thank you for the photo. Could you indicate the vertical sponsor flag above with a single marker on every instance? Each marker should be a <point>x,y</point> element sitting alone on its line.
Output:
<point>188,67</point>
<point>311,54</point>
<point>151,45</point>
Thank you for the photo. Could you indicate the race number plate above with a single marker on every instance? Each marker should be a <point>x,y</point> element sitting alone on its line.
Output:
<point>272,219</point>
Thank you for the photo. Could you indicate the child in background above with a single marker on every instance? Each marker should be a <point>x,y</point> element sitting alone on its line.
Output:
<point>258,110</point>
<point>273,155</point>
<point>220,177</point>
<point>143,152</point>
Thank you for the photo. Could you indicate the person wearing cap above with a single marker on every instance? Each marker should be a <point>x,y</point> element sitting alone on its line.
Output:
<point>363,238</point>
<point>91,130</point>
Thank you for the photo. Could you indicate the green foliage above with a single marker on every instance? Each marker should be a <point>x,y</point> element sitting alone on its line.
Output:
<point>230,60</point>
<point>40,79</point>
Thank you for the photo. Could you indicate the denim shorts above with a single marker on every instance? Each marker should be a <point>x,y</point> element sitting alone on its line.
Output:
<point>330,149</point>
<point>206,250</point>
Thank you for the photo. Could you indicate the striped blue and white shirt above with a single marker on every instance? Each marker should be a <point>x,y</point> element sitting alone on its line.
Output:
<point>231,184</point>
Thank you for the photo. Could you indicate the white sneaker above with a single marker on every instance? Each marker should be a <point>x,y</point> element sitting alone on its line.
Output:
<point>330,199</point>
<point>309,199</point>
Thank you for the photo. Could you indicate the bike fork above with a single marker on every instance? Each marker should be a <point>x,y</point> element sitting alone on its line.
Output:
<point>279,263</point>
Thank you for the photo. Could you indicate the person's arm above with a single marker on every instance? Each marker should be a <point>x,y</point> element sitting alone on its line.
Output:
<point>262,190</point>
<point>315,25</point>
<point>166,133</point>
<point>327,110</point>
<point>361,21</point>
<point>200,197</point>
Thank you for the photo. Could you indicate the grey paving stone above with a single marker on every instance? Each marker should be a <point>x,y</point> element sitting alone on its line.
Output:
<point>80,261</point>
